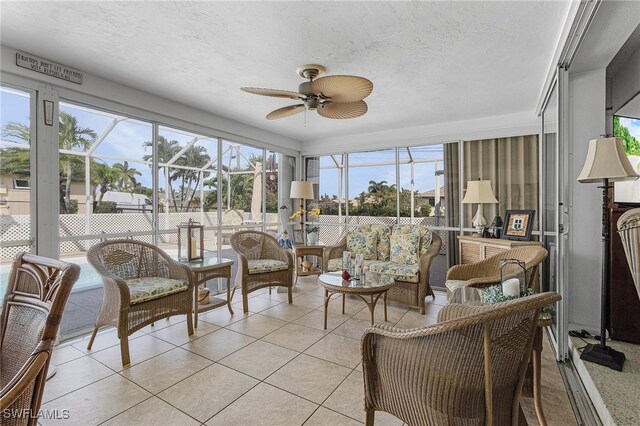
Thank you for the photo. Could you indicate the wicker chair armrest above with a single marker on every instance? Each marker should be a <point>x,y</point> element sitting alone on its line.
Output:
<point>483,281</point>
<point>180,271</point>
<point>427,257</point>
<point>276,252</point>
<point>22,381</point>
<point>243,263</point>
<point>457,310</point>
<point>289,259</point>
<point>334,252</point>
<point>467,271</point>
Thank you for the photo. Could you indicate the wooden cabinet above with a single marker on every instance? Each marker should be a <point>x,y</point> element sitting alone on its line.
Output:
<point>474,249</point>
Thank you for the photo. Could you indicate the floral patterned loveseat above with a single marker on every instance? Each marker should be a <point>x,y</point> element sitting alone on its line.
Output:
<point>403,251</point>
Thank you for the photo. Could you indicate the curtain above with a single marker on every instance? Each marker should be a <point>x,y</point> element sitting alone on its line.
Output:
<point>511,164</point>
<point>452,198</point>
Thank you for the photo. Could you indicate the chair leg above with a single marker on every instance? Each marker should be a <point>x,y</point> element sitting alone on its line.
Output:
<point>124,350</point>
<point>93,337</point>
<point>190,324</point>
<point>269,290</point>
<point>245,303</point>
<point>290,292</point>
<point>369,417</point>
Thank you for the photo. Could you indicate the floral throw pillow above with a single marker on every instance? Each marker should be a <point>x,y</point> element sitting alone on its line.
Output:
<point>404,248</point>
<point>362,243</point>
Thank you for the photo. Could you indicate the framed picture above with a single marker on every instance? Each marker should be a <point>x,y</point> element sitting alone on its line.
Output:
<point>298,237</point>
<point>518,225</point>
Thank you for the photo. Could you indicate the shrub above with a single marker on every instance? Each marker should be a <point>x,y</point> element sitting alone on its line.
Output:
<point>105,207</point>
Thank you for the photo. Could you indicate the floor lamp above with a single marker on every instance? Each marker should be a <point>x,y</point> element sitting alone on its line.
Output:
<point>606,162</point>
<point>304,191</point>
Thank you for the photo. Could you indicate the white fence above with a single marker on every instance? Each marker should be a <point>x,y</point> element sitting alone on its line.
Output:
<point>17,228</point>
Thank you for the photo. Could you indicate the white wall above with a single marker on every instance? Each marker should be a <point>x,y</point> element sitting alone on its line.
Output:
<point>586,122</point>
<point>625,83</point>
<point>111,95</point>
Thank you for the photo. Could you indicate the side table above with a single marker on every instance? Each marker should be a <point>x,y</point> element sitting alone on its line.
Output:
<point>299,253</point>
<point>204,270</point>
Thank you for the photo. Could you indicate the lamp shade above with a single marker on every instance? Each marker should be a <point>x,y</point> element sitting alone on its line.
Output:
<point>301,189</point>
<point>479,191</point>
<point>606,160</point>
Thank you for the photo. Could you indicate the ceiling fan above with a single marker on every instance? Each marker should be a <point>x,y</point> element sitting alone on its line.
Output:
<point>334,96</point>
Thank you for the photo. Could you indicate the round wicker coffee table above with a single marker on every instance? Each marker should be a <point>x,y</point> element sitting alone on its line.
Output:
<point>372,285</point>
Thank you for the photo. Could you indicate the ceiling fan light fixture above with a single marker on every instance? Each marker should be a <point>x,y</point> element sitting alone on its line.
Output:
<point>337,96</point>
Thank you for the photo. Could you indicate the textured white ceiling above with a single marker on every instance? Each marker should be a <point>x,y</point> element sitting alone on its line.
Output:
<point>430,62</point>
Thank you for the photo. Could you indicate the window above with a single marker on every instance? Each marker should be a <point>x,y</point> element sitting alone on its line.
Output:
<point>21,184</point>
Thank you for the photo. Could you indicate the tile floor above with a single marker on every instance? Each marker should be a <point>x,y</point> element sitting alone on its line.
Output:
<point>273,366</point>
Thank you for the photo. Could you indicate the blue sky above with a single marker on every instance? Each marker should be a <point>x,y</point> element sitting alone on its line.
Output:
<point>633,125</point>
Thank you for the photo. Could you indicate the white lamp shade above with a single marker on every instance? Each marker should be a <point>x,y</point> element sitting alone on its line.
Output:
<point>606,160</point>
<point>479,191</point>
<point>301,189</point>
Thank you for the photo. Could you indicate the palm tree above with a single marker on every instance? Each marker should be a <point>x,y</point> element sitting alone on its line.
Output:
<point>72,136</point>
<point>197,157</point>
<point>125,176</point>
<point>16,130</point>
<point>104,176</point>
<point>166,151</point>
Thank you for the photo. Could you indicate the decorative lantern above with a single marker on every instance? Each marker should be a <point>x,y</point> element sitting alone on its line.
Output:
<point>190,241</point>
<point>513,277</point>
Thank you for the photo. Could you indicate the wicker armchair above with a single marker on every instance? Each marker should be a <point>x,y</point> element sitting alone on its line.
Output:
<point>37,293</point>
<point>487,271</point>
<point>468,369</point>
<point>409,293</point>
<point>261,263</point>
<point>142,284</point>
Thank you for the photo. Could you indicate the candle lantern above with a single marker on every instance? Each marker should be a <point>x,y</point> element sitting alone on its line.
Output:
<point>513,277</point>
<point>190,241</point>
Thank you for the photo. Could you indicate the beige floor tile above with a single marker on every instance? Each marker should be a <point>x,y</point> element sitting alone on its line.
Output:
<point>315,319</point>
<point>326,417</point>
<point>307,300</point>
<point>206,393</point>
<point>440,299</point>
<point>221,316</point>
<point>140,349</point>
<point>178,335</point>
<point>62,354</point>
<point>275,295</point>
<point>309,377</point>
<point>218,344</point>
<point>152,412</point>
<point>352,305</point>
<point>265,405</point>
<point>257,325</point>
<point>286,312</point>
<point>394,313</point>
<point>353,327</point>
<point>257,304</point>
<point>414,320</point>
<point>73,375</point>
<point>166,322</point>
<point>259,359</point>
<point>348,398</point>
<point>97,402</point>
<point>295,336</point>
<point>106,338</point>
<point>338,349</point>
<point>160,372</point>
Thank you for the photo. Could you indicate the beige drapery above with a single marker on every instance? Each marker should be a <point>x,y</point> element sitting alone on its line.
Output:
<point>511,164</point>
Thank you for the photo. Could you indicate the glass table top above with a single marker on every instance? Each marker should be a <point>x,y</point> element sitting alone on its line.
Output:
<point>369,280</point>
<point>209,261</point>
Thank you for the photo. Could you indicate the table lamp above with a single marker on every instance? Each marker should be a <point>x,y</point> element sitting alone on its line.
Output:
<point>479,191</point>
<point>606,162</point>
<point>304,191</point>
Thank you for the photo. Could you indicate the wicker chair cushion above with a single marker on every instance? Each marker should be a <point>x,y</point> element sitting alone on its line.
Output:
<point>336,264</point>
<point>401,272</point>
<point>404,248</point>
<point>383,248</point>
<point>147,288</point>
<point>260,266</point>
<point>423,231</point>
<point>364,243</point>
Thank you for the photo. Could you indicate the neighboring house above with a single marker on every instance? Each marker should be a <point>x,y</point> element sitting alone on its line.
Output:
<point>15,195</point>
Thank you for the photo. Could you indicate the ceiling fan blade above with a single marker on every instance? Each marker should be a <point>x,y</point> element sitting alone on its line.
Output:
<point>285,112</point>
<point>342,88</point>
<point>342,110</point>
<point>276,93</point>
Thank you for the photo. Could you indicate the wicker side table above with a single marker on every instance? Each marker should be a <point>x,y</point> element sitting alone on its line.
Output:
<point>300,252</point>
<point>205,270</point>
